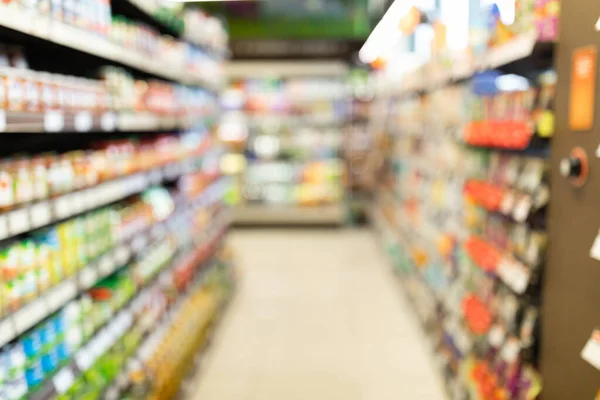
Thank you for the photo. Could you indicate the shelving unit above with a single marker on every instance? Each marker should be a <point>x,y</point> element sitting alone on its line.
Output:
<point>103,234</point>
<point>462,211</point>
<point>289,131</point>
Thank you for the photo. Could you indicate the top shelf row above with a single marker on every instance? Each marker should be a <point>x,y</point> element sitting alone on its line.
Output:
<point>94,31</point>
<point>522,55</point>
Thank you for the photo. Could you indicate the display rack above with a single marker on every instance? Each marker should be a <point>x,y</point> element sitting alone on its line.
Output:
<point>290,133</point>
<point>462,211</point>
<point>105,234</point>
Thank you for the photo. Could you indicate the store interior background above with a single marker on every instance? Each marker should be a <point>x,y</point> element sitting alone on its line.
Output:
<point>299,199</point>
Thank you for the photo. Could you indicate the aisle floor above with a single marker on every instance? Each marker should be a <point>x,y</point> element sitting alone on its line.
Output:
<point>317,316</point>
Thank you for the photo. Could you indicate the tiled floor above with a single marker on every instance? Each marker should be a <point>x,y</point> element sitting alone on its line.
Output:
<point>317,316</point>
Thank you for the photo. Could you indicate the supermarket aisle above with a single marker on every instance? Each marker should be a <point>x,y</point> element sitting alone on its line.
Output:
<point>316,317</point>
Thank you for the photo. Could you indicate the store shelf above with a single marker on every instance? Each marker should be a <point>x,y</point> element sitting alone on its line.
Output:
<point>518,49</point>
<point>20,321</point>
<point>109,334</point>
<point>33,313</point>
<point>282,215</point>
<point>85,121</point>
<point>46,212</point>
<point>56,32</point>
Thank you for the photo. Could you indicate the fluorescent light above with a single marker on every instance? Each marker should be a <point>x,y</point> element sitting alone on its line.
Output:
<point>598,25</point>
<point>386,34</point>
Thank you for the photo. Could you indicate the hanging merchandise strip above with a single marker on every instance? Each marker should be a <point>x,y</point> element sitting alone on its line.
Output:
<point>467,235</point>
<point>17,323</point>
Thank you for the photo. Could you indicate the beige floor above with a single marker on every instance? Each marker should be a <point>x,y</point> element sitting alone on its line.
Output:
<point>317,316</point>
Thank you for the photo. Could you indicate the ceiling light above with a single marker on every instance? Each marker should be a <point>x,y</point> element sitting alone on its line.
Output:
<point>387,33</point>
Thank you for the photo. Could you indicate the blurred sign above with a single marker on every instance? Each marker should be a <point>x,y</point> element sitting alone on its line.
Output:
<point>287,49</point>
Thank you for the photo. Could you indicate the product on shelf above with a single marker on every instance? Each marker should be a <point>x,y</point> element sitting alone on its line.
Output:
<point>118,38</point>
<point>76,337</point>
<point>290,133</point>
<point>466,225</point>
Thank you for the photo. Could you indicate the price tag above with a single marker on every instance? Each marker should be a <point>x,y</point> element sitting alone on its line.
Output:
<point>30,315</point>
<point>139,243</point>
<point>18,221</point>
<point>63,380</point>
<point>519,278</point>
<point>522,209</point>
<point>508,202</point>
<point>107,265</point>
<point>122,254</point>
<point>2,120</point>
<point>591,351</point>
<point>54,299</point>
<point>511,350</point>
<point>54,121</point>
<point>83,121</point>
<point>108,121</point>
<point>78,201</point>
<point>40,214</point>
<point>496,336</point>
<point>62,207</point>
<point>3,227</point>
<point>88,277</point>
<point>84,359</point>
<point>7,331</point>
<point>172,171</point>
<point>155,176</point>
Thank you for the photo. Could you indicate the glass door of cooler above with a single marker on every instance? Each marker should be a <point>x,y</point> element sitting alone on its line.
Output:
<point>571,297</point>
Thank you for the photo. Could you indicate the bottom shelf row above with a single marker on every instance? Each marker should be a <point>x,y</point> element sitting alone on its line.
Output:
<point>110,343</point>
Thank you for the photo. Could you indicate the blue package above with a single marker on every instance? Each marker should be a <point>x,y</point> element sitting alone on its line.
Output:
<point>50,361</point>
<point>32,344</point>
<point>62,351</point>
<point>34,374</point>
<point>48,335</point>
<point>59,325</point>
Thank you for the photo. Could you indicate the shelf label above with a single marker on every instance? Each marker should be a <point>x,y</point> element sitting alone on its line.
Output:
<point>3,227</point>
<point>139,243</point>
<point>107,265</point>
<point>54,121</point>
<point>591,351</point>
<point>522,209</point>
<point>18,221</point>
<point>2,120</point>
<point>83,359</point>
<point>122,254</point>
<point>62,207</point>
<point>63,380</point>
<point>40,214</point>
<point>30,315</point>
<point>83,121</point>
<point>511,349</point>
<point>7,331</point>
<point>496,336</point>
<point>108,121</point>
<point>88,277</point>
